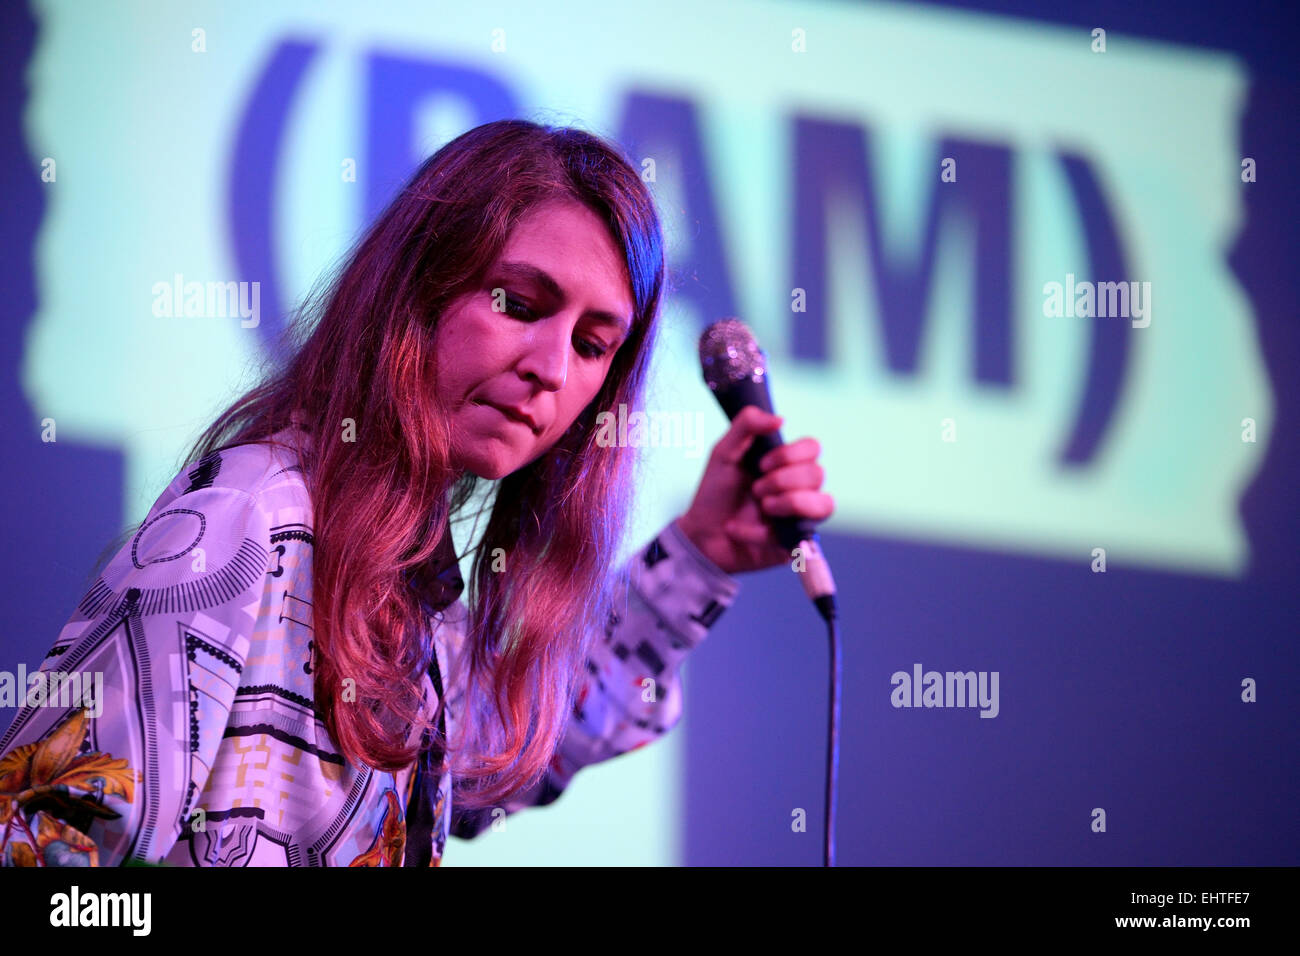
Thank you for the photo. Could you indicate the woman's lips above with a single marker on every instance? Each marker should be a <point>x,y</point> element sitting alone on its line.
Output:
<point>512,415</point>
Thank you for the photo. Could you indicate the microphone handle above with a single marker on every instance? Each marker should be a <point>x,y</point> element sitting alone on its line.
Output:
<point>790,531</point>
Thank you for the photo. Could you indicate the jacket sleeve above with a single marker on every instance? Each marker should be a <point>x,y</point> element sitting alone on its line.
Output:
<point>632,695</point>
<point>114,738</point>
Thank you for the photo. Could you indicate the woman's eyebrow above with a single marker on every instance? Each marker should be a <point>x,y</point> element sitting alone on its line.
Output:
<point>528,272</point>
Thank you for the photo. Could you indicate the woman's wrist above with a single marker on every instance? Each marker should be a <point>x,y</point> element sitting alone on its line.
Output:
<point>690,531</point>
<point>699,538</point>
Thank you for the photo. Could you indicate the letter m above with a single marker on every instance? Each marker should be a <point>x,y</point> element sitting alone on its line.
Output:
<point>834,169</point>
<point>961,688</point>
<point>1112,298</point>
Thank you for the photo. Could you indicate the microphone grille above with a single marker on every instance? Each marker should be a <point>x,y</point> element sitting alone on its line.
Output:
<point>729,353</point>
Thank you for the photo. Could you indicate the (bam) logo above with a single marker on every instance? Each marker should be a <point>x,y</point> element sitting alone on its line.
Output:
<point>888,241</point>
<point>902,289</point>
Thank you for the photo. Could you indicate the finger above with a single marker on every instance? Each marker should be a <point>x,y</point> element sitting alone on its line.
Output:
<point>805,449</point>
<point>749,533</point>
<point>790,478</point>
<point>751,421</point>
<point>808,476</point>
<point>816,505</point>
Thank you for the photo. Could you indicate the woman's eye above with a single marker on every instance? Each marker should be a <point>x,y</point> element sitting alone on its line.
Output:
<point>517,308</point>
<point>586,347</point>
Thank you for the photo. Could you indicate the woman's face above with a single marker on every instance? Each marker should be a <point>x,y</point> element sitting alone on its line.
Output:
<point>537,336</point>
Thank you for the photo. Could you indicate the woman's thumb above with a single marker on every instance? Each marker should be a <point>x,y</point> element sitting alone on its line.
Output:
<point>751,421</point>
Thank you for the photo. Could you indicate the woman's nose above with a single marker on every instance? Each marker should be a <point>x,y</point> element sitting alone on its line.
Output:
<point>546,354</point>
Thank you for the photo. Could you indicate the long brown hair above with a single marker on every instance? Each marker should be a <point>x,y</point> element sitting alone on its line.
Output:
<point>379,501</point>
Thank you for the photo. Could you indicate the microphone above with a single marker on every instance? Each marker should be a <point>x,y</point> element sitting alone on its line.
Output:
<point>735,369</point>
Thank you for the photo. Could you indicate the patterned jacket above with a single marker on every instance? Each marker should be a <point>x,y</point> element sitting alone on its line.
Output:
<point>204,747</point>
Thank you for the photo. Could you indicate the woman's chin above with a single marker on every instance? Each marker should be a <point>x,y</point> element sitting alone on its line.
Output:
<point>490,468</point>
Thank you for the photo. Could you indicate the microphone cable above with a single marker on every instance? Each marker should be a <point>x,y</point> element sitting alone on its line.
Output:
<point>826,606</point>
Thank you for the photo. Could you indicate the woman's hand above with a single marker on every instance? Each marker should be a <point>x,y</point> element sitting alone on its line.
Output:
<point>725,521</point>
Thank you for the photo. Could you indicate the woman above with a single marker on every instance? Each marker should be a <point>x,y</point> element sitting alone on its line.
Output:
<point>277,637</point>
